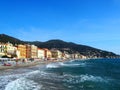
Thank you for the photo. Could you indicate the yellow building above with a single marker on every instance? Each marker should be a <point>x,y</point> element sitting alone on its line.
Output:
<point>34,50</point>
<point>22,49</point>
<point>49,54</point>
<point>56,54</point>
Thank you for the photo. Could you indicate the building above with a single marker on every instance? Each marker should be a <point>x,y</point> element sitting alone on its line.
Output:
<point>18,54</point>
<point>41,53</point>
<point>67,56</point>
<point>56,54</point>
<point>83,57</point>
<point>28,51</point>
<point>47,53</point>
<point>60,55</point>
<point>3,49</point>
<point>34,51</point>
<point>22,49</point>
<point>11,50</point>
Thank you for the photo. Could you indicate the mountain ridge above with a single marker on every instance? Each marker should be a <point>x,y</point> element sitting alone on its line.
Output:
<point>61,45</point>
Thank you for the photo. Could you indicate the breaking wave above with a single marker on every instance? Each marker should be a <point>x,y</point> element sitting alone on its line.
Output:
<point>5,80</point>
<point>23,84</point>
<point>61,64</point>
<point>78,75</point>
<point>53,65</point>
<point>83,78</point>
<point>72,64</point>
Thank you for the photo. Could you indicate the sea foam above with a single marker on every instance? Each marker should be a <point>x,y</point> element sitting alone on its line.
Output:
<point>5,80</point>
<point>83,78</point>
<point>71,64</point>
<point>53,65</point>
<point>62,64</point>
<point>23,84</point>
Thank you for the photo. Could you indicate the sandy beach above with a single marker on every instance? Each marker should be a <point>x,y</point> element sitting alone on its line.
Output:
<point>28,64</point>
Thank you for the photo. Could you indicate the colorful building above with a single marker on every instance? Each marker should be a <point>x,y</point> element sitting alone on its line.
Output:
<point>56,54</point>
<point>11,50</point>
<point>34,51</point>
<point>22,49</point>
<point>41,53</point>
<point>28,51</point>
<point>47,53</point>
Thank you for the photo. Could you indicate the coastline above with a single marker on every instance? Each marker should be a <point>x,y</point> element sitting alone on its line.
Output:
<point>19,66</point>
<point>34,63</point>
<point>30,64</point>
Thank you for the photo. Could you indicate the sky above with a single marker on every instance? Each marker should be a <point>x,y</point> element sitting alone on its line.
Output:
<point>94,23</point>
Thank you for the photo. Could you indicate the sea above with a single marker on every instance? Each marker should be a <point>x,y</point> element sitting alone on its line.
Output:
<point>90,74</point>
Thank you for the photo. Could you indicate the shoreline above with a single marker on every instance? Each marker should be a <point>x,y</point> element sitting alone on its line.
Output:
<point>19,66</point>
<point>30,64</point>
<point>34,63</point>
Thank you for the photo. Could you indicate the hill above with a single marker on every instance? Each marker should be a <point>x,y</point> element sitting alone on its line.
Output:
<point>62,46</point>
<point>5,38</point>
<point>75,48</point>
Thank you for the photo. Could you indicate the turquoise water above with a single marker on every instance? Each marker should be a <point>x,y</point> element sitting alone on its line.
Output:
<point>99,74</point>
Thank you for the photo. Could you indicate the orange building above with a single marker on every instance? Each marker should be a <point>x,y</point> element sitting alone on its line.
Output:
<point>28,51</point>
<point>47,53</point>
<point>22,49</point>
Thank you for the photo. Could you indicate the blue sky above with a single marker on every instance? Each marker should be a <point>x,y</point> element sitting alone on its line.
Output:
<point>90,22</point>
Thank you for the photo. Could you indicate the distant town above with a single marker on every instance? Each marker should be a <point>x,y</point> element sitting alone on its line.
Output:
<point>27,52</point>
<point>22,51</point>
<point>14,52</point>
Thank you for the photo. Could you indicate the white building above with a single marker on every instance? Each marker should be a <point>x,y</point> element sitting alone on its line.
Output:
<point>59,54</point>
<point>11,50</point>
<point>41,53</point>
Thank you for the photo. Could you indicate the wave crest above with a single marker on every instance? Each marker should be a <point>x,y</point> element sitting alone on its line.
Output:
<point>61,64</point>
<point>53,65</point>
<point>23,84</point>
<point>83,78</point>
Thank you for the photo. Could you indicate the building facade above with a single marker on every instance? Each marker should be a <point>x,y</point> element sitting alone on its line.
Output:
<point>56,54</point>
<point>11,50</point>
<point>47,53</point>
<point>22,49</point>
<point>41,53</point>
<point>28,51</point>
<point>3,49</point>
<point>34,51</point>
